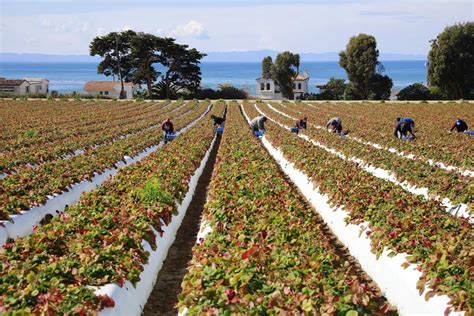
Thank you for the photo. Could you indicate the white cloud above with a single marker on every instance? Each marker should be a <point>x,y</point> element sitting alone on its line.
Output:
<point>192,29</point>
<point>401,26</point>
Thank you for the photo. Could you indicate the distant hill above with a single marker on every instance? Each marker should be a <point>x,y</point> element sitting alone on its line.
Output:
<point>244,56</point>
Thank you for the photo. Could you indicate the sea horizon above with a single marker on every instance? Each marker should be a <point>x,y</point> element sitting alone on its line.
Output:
<point>67,77</point>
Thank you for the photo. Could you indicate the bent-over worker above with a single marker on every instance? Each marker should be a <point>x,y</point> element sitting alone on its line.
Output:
<point>217,120</point>
<point>404,127</point>
<point>334,125</point>
<point>302,123</point>
<point>460,126</point>
<point>258,123</point>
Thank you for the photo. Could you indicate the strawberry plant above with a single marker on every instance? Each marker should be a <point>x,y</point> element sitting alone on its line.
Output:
<point>439,243</point>
<point>99,240</point>
<point>268,252</point>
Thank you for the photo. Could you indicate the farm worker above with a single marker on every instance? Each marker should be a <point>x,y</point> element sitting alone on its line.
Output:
<point>258,123</point>
<point>459,125</point>
<point>408,120</point>
<point>302,123</point>
<point>404,127</point>
<point>167,126</point>
<point>334,125</point>
<point>217,120</point>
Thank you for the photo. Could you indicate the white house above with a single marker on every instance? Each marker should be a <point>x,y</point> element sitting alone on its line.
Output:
<point>38,85</point>
<point>110,88</point>
<point>269,90</point>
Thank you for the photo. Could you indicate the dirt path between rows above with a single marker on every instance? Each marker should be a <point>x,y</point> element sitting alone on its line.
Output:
<point>164,297</point>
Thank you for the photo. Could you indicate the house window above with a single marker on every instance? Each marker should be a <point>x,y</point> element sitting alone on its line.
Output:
<point>268,86</point>
<point>262,86</point>
<point>299,86</point>
<point>100,92</point>
<point>27,89</point>
<point>294,85</point>
<point>106,92</point>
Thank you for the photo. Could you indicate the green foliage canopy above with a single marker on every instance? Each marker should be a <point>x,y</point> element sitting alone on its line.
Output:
<point>451,61</point>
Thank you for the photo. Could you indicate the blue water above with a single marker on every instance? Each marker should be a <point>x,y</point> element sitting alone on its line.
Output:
<point>68,77</point>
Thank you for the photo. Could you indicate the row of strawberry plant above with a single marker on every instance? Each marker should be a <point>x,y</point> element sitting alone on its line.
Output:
<point>107,133</point>
<point>268,252</point>
<point>50,125</point>
<point>31,187</point>
<point>101,124</point>
<point>440,244</point>
<point>376,122</point>
<point>440,182</point>
<point>100,240</point>
<point>28,114</point>
<point>47,116</point>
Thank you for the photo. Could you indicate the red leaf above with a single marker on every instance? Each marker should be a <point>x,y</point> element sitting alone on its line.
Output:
<point>106,300</point>
<point>230,294</point>
<point>251,252</point>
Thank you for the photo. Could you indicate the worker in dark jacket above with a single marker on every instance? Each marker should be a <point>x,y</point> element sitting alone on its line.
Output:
<point>459,125</point>
<point>217,120</point>
<point>404,127</point>
<point>167,127</point>
<point>301,123</point>
<point>258,123</point>
<point>335,125</point>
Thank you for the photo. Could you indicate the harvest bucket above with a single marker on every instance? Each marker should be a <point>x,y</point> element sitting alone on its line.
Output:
<point>408,138</point>
<point>219,130</point>
<point>295,129</point>
<point>170,136</point>
<point>469,132</point>
<point>259,133</point>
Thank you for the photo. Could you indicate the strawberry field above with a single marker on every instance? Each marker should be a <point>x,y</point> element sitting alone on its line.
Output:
<point>92,200</point>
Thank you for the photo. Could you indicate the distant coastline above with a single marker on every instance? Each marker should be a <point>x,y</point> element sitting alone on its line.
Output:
<point>233,56</point>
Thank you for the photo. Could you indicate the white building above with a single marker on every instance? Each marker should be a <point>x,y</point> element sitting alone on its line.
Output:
<point>110,88</point>
<point>38,85</point>
<point>24,86</point>
<point>267,89</point>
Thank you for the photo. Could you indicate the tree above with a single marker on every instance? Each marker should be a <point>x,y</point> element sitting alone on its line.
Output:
<point>182,71</point>
<point>416,91</point>
<point>360,60</point>
<point>115,49</point>
<point>380,87</point>
<point>146,52</point>
<point>334,89</point>
<point>267,64</point>
<point>451,61</point>
<point>284,71</point>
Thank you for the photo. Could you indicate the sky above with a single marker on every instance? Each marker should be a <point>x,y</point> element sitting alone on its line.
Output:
<point>67,26</point>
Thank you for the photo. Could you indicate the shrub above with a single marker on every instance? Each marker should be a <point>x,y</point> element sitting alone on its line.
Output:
<point>416,91</point>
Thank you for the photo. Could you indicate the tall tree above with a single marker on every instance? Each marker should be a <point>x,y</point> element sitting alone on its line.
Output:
<point>182,70</point>
<point>115,49</point>
<point>360,61</point>
<point>146,52</point>
<point>451,61</point>
<point>284,71</point>
<point>267,64</point>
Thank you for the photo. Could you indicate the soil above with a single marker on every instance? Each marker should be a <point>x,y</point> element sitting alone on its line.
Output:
<point>164,297</point>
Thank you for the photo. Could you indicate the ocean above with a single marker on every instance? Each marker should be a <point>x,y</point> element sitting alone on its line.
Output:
<point>69,77</point>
